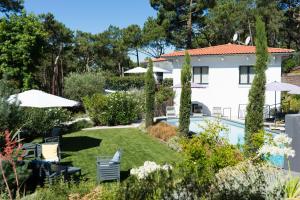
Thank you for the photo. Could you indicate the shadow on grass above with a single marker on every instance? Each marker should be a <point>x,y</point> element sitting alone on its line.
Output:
<point>79,143</point>
<point>124,174</point>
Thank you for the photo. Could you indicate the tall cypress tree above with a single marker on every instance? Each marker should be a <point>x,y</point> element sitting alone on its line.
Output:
<point>256,98</point>
<point>185,97</point>
<point>150,94</point>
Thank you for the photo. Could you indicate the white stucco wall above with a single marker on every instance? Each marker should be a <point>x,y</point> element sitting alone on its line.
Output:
<point>223,89</point>
<point>167,65</point>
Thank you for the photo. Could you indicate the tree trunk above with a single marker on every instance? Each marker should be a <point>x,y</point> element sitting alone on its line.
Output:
<point>137,57</point>
<point>87,67</point>
<point>55,76</point>
<point>189,27</point>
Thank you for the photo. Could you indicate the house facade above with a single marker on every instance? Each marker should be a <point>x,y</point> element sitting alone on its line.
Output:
<point>225,73</point>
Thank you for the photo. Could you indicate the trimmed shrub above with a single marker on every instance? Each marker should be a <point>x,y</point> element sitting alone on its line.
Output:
<point>79,85</point>
<point>254,121</point>
<point>162,131</point>
<point>124,83</point>
<point>149,95</point>
<point>185,97</point>
<point>113,109</point>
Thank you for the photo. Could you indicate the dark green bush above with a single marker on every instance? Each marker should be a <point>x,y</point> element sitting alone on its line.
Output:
<point>10,114</point>
<point>124,83</point>
<point>167,82</point>
<point>40,121</point>
<point>79,85</point>
<point>163,97</point>
<point>113,109</point>
<point>22,171</point>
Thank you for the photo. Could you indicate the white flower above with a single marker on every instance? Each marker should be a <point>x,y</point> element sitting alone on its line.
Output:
<point>282,139</point>
<point>289,152</point>
<point>166,167</point>
<point>148,167</point>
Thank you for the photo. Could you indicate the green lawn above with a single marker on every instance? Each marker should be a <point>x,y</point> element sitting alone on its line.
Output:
<point>81,149</point>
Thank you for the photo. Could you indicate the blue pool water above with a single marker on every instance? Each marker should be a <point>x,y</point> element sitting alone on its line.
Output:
<point>235,133</point>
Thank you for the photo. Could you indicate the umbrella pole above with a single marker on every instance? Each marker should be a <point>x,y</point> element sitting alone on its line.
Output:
<point>275,111</point>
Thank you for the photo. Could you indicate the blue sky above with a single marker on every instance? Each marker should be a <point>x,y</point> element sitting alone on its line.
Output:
<point>94,15</point>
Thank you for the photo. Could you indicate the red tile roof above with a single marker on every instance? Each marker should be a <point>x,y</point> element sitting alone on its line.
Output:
<point>225,49</point>
<point>158,59</point>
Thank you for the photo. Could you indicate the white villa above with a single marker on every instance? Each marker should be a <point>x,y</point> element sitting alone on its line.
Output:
<point>226,73</point>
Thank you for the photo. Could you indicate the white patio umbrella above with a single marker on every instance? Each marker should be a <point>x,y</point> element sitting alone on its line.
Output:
<point>280,87</point>
<point>40,99</point>
<point>158,69</point>
<point>141,70</point>
<point>193,85</point>
<point>136,70</point>
<point>295,91</point>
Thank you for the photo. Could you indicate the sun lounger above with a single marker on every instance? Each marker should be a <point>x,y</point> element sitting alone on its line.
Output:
<point>170,112</point>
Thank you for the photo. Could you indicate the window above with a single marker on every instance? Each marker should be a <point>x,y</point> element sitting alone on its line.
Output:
<point>200,75</point>
<point>246,74</point>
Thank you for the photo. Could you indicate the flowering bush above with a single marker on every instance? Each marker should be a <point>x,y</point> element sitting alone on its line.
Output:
<point>247,180</point>
<point>278,146</point>
<point>149,167</point>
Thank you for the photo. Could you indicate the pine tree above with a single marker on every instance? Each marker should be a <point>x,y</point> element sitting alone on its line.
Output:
<point>150,94</point>
<point>185,97</point>
<point>256,98</point>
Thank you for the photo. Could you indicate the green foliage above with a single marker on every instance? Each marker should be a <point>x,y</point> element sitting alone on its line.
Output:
<point>154,38</point>
<point>124,83</point>
<point>254,118</point>
<point>163,97</point>
<point>158,185</point>
<point>289,63</point>
<point>132,38</point>
<point>247,180</point>
<point>62,190</point>
<point>79,85</point>
<point>292,188</point>
<point>208,152</point>
<point>21,43</point>
<point>290,103</point>
<point>149,95</point>
<point>39,121</point>
<point>167,82</point>
<point>180,19</point>
<point>8,6</point>
<point>57,54</point>
<point>185,97</point>
<point>22,172</point>
<point>11,115</point>
<point>164,94</point>
<point>255,141</point>
<point>113,109</point>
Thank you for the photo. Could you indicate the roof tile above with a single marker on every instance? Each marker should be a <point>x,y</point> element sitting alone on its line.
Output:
<point>225,49</point>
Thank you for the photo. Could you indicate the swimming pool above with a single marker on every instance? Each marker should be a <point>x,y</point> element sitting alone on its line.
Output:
<point>236,132</point>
